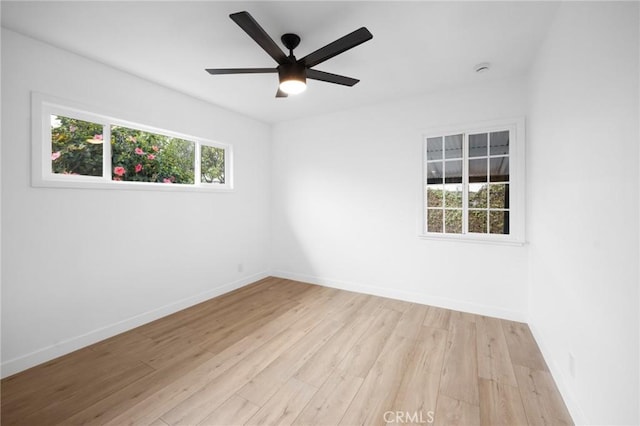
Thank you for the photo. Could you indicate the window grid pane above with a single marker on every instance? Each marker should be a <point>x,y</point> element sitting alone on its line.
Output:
<point>76,146</point>
<point>483,167</point>
<point>435,220</point>
<point>141,156</point>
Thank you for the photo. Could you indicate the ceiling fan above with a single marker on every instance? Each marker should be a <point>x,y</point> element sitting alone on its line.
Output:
<point>292,72</point>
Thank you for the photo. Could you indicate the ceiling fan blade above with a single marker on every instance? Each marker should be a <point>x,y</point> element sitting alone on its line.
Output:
<point>259,35</point>
<point>343,44</point>
<point>331,78</point>
<point>216,71</point>
<point>281,94</point>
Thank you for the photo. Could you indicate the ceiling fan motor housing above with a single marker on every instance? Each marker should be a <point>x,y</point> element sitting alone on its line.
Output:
<point>292,71</point>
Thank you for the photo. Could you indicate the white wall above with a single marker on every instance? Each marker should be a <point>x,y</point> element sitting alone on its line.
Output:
<point>583,216</point>
<point>80,265</point>
<point>347,203</point>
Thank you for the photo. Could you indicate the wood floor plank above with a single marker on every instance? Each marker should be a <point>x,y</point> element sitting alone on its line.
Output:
<point>62,387</point>
<point>460,372</point>
<point>283,407</point>
<point>316,370</point>
<point>350,310</point>
<point>463,316</point>
<point>542,402</point>
<point>205,400</point>
<point>135,393</point>
<point>212,309</point>
<point>227,334</point>
<point>369,404</point>
<point>418,391</point>
<point>280,351</point>
<point>363,354</point>
<point>453,412</point>
<point>411,321</point>
<point>523,348</point>
<point>234,411</point>
<point>494,361</point>
<point>437,317</point>
<point>60,409</point>
<point>396,305</point>
<point>331,401</point>
<point>266,383</point>
<point>500,404</point>
<point>151,400</point>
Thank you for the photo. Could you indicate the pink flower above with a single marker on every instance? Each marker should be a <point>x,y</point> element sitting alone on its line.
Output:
<point>97,137</point>
<point>72,128</point>
<point>155,148</point>
<point>151,157</point>
<point>119,171</point>
<point>138,167</point>
<point>166,180</point>
<point>117,178</point>
<point>55,156</point>
<point>139,151</point>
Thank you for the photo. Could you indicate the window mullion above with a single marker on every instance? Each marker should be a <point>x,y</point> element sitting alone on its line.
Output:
<point>106,152</point>
<point>197,179</point>
<point>465,183</point>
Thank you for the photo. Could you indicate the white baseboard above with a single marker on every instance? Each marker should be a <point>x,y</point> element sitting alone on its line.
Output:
<point>408,296</point>
<point>577,414</point>
<point>48,353</point>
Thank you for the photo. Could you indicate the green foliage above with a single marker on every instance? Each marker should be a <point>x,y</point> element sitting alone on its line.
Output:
<point>212,163</point>
<point>481,219</point>
<point>137,156</point>
<point>147,157</point>
<point>76,147</point>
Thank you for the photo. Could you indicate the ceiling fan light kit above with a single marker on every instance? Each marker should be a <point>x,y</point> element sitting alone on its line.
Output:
<point>293,78</point>
<point>292,72</point>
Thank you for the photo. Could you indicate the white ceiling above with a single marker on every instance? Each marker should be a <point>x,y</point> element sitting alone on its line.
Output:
<point>417,47</point>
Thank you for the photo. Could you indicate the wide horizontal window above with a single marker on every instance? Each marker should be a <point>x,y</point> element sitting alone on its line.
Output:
<point>472,174</point>
<point>74,147</point>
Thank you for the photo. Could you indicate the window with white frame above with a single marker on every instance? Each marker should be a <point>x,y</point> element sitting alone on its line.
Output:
<point>74,147</point>
<point>474,182</point>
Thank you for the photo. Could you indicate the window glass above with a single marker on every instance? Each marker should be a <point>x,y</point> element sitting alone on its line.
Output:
<point>434,148</point>
<point>453,195</point>
<point>499,143</point>
<point>453,146</point>
<point>212,164</point>
<point>434,195</point>
<point>499,196</point>
<point>453,221</point>
<point>453,171</point>
<point>148,157</point>
<point>498,222</point>
<point>434,220</point>
<point>76,146</point>
<point>478,145</point>
<point>478,170</point>
<point>499,169</point>
<point>468,183</point>
<point>478,194</point>
<point>478,221</point>
<point>434,172</point>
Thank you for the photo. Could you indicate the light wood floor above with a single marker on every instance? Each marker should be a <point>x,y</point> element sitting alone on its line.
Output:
<point>284,352</point>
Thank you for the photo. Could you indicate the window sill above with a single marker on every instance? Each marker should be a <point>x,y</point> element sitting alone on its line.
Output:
<point>134,186</point>
<point>473,239</point>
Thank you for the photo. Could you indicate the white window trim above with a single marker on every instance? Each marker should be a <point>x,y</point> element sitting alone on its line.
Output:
<point>43,106</point>
<point>516,181</point>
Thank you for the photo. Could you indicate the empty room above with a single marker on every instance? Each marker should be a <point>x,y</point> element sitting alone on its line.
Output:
<point>320,213</point>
